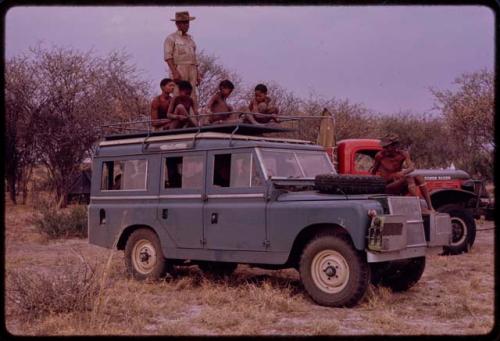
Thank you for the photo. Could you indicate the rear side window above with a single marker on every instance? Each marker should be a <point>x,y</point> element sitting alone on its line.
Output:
<point>124,175</point>
<point>184,172</point>
<point>235,170</point>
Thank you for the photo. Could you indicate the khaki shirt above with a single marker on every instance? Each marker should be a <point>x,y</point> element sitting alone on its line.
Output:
<point>181,48</point>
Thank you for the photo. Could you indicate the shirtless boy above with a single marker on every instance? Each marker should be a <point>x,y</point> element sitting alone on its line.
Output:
<point>160,104</point>
<point>182,111</point>
<point>394,165</point>
<point>218,104</point>
<point>262,106</point>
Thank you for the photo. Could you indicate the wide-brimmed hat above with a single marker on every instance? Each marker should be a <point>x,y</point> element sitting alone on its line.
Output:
<point>389,139</point>
<point>182,16</point>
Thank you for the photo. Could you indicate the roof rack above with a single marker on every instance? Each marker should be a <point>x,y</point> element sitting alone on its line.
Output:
<point>241,128</point>
<point>146,132</point>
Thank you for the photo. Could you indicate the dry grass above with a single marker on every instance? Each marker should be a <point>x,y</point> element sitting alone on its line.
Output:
<point>454,296</point>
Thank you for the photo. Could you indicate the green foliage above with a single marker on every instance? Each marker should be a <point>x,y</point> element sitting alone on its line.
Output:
<point>61,223</point>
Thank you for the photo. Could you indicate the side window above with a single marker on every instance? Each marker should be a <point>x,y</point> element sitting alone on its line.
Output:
<point>364,159</point>
<point>134,174</point>
<point>124,175</point>
<point>235,170</point>
<point>184,172</point>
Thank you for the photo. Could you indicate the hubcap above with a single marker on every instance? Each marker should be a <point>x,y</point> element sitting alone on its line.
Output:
<point>458,230</point>
<point>144,256</point>
<point>330,271</point>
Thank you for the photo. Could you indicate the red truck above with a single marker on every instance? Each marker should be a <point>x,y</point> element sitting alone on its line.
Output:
<point>452,191</point>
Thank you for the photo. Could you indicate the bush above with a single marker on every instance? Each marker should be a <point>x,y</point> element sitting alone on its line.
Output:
<point>34,294</point>
<point>61,223</point>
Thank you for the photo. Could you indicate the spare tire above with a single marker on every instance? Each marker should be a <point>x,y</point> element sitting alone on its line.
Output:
<point>349,184</point>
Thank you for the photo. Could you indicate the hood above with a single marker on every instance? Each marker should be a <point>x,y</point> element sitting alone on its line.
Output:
<point>316,196</point>
<point>441,174</point>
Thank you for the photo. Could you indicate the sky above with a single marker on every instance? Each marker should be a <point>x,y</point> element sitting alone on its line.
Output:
<point>384,57</point>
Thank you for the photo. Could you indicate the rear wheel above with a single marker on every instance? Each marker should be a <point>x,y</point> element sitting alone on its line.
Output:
<point>143,255</point>
<point>463,227</point>
<point>398,275</point>
<point>333,272</point>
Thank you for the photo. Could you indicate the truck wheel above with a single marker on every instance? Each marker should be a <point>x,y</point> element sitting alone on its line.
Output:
<point>349,184</point>
<point>333,273</point>
<point>463,227</point>
<point>217,270</point>
<point>143,255</point>
<point>398,275</point>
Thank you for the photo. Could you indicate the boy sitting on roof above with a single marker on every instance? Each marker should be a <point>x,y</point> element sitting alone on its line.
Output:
<point>182,111</point>
<point>218,104</point>
<point>262,106</point>
<point>160,104</point>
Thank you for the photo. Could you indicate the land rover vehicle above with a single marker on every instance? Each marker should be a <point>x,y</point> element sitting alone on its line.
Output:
<point>225,195</point>
<point>451,190</point>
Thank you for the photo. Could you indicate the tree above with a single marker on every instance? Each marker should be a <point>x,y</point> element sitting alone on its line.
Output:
<point>469,112</point>
<point>74,94</point>
<point>19,109</point>
<point>426,137</point>
<point>351,120</point>
<point>212,73</point>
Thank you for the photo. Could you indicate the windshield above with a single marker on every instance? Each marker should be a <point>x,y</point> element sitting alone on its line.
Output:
<point>295,164</point>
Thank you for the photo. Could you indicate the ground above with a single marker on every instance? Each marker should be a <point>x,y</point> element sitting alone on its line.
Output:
<point>455,295</point>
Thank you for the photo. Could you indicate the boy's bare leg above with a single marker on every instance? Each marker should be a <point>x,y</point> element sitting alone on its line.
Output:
<point>424,190</point>
<point>193,121</point>
<point>251,119</point>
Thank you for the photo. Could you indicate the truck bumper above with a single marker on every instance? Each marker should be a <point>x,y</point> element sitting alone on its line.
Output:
<point>393,237</point>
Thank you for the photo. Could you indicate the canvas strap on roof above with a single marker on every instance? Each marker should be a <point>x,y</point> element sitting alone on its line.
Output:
<point>326,136</point>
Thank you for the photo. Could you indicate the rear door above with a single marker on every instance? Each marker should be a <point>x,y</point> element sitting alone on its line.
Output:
<point>180,207</point>
<point>234,215</point>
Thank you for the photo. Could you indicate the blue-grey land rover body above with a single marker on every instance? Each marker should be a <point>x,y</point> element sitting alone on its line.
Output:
<point>219,197</point>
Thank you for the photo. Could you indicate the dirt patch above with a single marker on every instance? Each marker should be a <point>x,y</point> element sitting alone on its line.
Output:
<point>455,296</point>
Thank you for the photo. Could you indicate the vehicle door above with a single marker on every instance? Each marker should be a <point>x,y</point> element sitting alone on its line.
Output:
<point>180,202</point>
<point>234,215</point>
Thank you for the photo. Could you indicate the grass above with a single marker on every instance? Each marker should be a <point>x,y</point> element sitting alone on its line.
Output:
<point>454,296</point>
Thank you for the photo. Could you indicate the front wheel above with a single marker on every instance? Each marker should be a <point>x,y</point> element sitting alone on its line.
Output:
<point>333,272</point>
<point>463,227</point>
<point>143,255</point>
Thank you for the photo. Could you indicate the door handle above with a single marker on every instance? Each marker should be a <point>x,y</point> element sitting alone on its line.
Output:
<point>164,213</point>
<point>214,218</point>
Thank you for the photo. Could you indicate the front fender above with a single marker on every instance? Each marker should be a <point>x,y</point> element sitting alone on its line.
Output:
<point>287,219</point>
<point>451,196</point>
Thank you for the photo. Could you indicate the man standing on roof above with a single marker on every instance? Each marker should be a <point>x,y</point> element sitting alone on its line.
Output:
<point>393,163</point>
<point>180,53</point>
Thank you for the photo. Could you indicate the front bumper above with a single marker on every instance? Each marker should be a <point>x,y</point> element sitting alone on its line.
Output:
<point>405,232</point>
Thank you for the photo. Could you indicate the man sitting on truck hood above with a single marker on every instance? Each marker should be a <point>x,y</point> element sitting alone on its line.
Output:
<point>393,163</point>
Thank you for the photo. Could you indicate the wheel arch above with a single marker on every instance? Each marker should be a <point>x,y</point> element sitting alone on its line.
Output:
<point>125,234</point>
<point>308,233</point>
<point>451,196</point>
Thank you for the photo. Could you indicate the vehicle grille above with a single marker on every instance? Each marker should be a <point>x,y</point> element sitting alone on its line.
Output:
<point>407,206</point>
<point>410,208</point>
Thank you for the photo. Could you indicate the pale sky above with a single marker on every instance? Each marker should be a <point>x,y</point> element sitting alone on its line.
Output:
<point>385,57</point>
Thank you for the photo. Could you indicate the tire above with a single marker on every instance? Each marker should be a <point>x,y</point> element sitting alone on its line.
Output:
<point>217,270</point>
<point>398,275</point>
<point>143,256</point>
<point>463,229</point>
<point>333,272</point>
<point>349,184</point>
